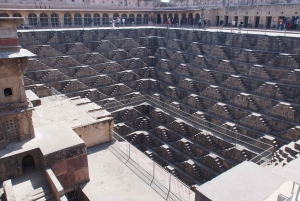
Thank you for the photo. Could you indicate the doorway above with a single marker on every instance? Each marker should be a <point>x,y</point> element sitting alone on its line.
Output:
<point>226,20</point>
<point>158,19</point>
<point>257,19</point>
<point>246,19</point>
<point>236,19</point>
<point>218,19</point>
<point>268,22</point>
<point>280,17</point>
<point>28,164</point>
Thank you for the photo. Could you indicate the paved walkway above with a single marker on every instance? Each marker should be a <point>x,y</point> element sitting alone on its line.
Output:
<point>269,32</point>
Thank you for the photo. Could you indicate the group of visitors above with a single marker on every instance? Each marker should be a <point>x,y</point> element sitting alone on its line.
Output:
<point>288,23</point>
<point>200,21</point>
<point>117,22</point>
<point>171,22</point>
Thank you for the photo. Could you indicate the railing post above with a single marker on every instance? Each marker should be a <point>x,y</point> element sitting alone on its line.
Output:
<point>129,150</point>
<point>169,184</point>
<point>153,170</point>
<point>235,138</point>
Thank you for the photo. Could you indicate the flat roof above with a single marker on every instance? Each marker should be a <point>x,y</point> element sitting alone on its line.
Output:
<point>246,181</point>
<point>55,137</point>
<point>56,109</point>
<point>111,179</point>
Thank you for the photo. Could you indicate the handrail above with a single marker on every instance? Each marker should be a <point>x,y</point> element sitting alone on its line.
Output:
<point>200,122</point>
<point>119,138</point>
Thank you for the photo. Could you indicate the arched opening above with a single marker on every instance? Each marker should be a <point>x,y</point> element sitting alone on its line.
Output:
<point>77,19</point>
<point>28,164</point>
<point>131,18</point>
<point>17,15</point>
<point>7,92</point>
<point>87,19</point>
<point>44,19</point>
<point>32,19</point>
<point>54,20</point>
<point>146,18</point>
<point>164,18</point>
<point>197,18</point>
<point>115,16</point>
<point>125,17</point>
<point>183,19</point>
<point>97,19</point>
<point>176,18</point>
<point>190,19</point>
<point>158,19</point>
<point>138,19</point>
<point>67,19</point>
<point>4,15</point>
<point>105,19</point>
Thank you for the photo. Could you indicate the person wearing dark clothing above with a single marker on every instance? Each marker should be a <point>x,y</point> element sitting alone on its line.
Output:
<point>241,26</point>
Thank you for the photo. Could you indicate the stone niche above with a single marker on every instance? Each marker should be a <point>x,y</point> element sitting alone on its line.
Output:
<point>26,161</point>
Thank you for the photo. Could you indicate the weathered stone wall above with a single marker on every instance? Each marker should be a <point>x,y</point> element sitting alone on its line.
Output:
<point>96,133</point>
<point>70,165</point>
<point>11,166</point>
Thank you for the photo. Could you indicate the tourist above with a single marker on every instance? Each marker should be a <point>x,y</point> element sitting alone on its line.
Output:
<point>200,22</point>
<point>92,23</point>
<point>232,25</point>
<point>118,22</point>
<point>221,24</point>
<point>113,23</point>
<point>284,23</point>
<point>168,22</point>
<point>241,26</point>
<point>280,24</point>
<point>123,21</point>
<point>204,23</point>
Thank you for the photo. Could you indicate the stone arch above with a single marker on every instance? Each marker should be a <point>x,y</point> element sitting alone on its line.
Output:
<point>28,164</point>
<point>176,18</point>
<point>146,18</point>
<point>97,19</point>
<point>197,17</point>
<point>105,19</point>
<point>183,19</point>
<point>87,19</point>
<point>131,18</point>
<point>165,17</point>
<point>4,15</point>
<point>190,19</point>
<point>67,19</point>
<point>44,19</point>
<point>138,19</point>
<point>32,19</point>
<point>158,19</point>
<point>77,19</point>
<point>116,15</point>
<point>54,20</point>
<point>17,15</point>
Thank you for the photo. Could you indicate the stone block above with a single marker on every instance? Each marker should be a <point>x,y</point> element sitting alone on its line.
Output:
<point>72,164</point>
<point>59,168</point>
<point>82,175</point>
<point>67,179</point>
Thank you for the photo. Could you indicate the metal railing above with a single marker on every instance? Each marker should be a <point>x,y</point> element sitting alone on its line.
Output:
<point>229,134</point>
<point>167,185</point>
<point>264,158</point>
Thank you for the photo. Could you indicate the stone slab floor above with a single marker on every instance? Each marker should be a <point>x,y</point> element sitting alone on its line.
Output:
<point>111,179</point>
